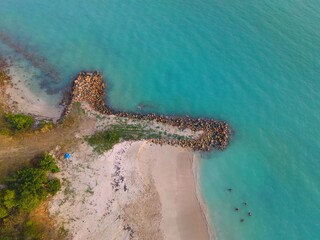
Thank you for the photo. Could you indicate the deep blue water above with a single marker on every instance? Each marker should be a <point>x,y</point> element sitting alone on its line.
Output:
<point>254,64</point>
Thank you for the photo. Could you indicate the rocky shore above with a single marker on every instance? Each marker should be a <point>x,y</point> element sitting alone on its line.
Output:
<point>89,87</point>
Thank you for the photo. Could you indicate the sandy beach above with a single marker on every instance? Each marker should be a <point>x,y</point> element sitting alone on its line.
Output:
<point>137,190</point>
<point>172,172</point>
<point>25,101</point>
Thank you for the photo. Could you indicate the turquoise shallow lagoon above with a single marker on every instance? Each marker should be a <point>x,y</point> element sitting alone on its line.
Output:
<point>254,64</point>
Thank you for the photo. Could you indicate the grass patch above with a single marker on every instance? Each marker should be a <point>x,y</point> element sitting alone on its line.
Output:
<point>104,141</point>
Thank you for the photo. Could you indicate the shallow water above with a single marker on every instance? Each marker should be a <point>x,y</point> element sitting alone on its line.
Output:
<point>254,64</point>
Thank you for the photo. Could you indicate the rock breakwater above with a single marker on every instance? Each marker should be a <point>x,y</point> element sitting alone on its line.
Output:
<point>89,87</point>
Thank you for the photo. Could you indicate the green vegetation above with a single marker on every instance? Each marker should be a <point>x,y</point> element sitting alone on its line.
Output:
<point>54,185</point>
<point>20,121</point>
<point>103,141</point>
<point>23,191</point>
<point>30,230</point>
<point>5,126</point>
<point>14,123</point>
<point>45,125</point>
<point>48,163</point>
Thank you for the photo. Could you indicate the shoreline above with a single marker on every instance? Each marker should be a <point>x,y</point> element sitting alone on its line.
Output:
<point>22,99</point>
<point>191,220</point>
<point>130,219</point>
<point>89,87</point>
<point>200,197</point>
<point>145,191</point>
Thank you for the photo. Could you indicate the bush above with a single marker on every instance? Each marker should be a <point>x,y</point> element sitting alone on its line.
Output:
<point>9,199</point>
<point>27,187</point>
<point>7,202</point>
<point>24,190</point>
<point>3,212</point>
<point>5,131</point>
<point>26,179</point>
<point>23,226</point>
<point>45,125</point>
<point>11,226</point>
<point>31,231</point>
<point>54,186</point>
<point>103,141</point>
<point>48,163</point>
<point>20,121</point>
<point>28,201</point>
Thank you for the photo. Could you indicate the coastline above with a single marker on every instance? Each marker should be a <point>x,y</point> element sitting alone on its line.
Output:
<point>145,191</point>
<point>22,99</point>
<point>204,208</point>
<point>134,192</point>
<point>173,172</point>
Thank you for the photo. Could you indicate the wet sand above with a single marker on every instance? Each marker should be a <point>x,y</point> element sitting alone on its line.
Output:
<point>172,171</point>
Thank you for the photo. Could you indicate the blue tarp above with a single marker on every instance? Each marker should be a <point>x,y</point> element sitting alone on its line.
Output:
<point>67,156</point>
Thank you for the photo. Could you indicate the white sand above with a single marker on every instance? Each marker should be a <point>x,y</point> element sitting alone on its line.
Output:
<point>154,197</point>
<point>137,190</point>
<point>26,101</point>
<point>171,169</point>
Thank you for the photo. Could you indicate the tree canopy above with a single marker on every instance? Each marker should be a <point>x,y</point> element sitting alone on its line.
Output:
<point>27,187</point>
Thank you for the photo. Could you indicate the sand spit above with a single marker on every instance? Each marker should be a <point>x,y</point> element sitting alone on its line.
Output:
<point>137,190</point>
<point>25,101</point>
<point>18,97</point>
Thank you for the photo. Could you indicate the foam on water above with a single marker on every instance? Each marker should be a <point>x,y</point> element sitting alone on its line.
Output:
<point>254,64</point>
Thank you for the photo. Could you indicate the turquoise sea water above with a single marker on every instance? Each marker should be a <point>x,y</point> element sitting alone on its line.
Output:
<point>254,64</point>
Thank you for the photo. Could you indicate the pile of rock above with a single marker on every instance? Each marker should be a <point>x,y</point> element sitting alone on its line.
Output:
<point>90,87</point>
